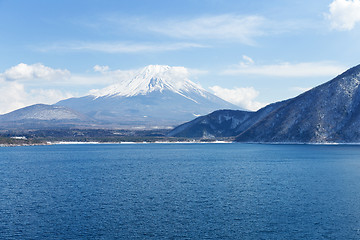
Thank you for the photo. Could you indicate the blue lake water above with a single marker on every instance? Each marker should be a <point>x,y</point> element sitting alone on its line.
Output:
<point>180,191</point>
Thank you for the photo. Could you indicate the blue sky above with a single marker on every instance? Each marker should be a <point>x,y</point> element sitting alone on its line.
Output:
<point>249,52</point>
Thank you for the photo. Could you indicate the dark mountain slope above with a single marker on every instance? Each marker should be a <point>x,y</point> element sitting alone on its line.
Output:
<point>222,123</point>
<point>327,113</point>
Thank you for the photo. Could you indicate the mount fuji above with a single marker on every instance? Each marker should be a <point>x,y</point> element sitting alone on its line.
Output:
<point>156,96</point>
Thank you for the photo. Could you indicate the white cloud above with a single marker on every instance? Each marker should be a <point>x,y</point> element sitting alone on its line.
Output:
<point>344,14</point>
<point>23,85</point>
<point>44,76</point>
<point>119,47</point>
<point>248,60</point>
<point>98,68</point>
<point>305,69</point>
<point>243,97</point>
<point>14,95</point>
<point>24,71</point>
<point>205,28</point>
<point>198,32</point>
<point>232,27</point>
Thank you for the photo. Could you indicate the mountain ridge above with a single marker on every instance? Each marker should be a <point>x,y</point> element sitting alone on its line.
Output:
<point>329,112</point>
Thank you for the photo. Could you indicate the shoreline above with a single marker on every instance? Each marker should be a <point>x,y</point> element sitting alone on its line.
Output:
<point>171,142</point>
<point>155,142</point>
<point>114,143</point>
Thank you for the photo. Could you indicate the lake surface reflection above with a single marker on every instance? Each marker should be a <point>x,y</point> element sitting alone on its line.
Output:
<point>180,191</point>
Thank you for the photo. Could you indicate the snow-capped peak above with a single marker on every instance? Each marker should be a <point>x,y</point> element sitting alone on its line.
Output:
<point>152,78</point>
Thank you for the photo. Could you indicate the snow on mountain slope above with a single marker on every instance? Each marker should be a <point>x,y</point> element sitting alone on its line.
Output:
<point>154,78</point>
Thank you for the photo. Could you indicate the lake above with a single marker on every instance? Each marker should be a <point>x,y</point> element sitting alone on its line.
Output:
<point>180,191</point>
